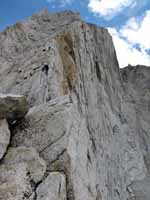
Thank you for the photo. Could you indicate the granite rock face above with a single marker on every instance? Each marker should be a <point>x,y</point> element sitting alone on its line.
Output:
<point>86,135</point>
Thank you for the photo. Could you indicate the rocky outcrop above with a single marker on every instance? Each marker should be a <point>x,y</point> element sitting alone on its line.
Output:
<point>12,108</point>
<point>86,135</point>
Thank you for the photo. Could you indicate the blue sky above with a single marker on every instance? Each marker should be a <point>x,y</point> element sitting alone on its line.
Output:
<point>128,21</point>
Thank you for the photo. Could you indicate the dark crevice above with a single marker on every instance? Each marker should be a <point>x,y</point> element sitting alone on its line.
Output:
<point>117,193</point>
<point>45,69</point>
<point>58,158</point>
<point>59,190</point>
<point>34,185</point>
<point>34,188</point>
<point>89,157</point>
<point>98,72</point>
<point>124,75</point>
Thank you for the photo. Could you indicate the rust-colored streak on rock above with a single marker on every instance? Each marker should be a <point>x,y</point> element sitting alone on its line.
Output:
<point>68,59</point>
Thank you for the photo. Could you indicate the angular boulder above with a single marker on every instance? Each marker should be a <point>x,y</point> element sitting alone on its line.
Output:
<point>46,128</point>
<point>13,107</point>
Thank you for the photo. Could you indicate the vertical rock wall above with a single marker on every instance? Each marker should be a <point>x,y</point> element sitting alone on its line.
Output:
<point>86,133</point>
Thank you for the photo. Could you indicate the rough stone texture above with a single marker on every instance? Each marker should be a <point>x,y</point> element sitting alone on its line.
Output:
<point>20,171</point>
<point>53,187</point>
<point>136,81</point>
<point>44,126</point>
<point>13,107</point>
<point>88,119</point>
<point>35,165</point>
<point>14,183</point>
<point>4,137</point>
<point>29,56</point>
<point>139,190</point>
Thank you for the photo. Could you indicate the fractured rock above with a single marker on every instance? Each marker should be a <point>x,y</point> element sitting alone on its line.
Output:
<point>46,128</point>
<point>21,170</point>
<point>36,166</point>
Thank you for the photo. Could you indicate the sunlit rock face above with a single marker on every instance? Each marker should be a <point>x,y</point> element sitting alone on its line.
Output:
<point>86,134</point>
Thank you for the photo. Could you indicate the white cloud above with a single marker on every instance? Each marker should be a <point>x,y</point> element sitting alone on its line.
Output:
<point>133,34</point>
<point>110,8</point>
<point>136,31</point>
<point>61,3</point>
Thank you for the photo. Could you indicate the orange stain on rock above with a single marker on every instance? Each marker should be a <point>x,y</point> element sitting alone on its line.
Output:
<point>68,59</point>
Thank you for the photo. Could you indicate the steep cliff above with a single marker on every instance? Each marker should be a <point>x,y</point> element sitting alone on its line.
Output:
<point>86,134</point>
